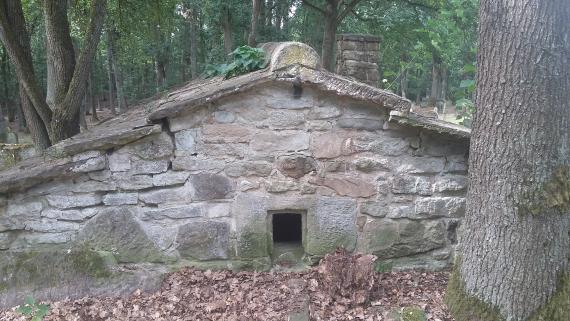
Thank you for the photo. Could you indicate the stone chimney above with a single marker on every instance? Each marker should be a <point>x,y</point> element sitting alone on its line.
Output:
<point>357,56</point>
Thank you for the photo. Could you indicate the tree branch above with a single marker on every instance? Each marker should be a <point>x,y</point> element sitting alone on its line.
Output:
<point>312,6</point>
<point>347,9</point>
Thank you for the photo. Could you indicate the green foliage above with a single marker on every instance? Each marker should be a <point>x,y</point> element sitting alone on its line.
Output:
<point>245,59</point>
<point>33,309</point>
<point>413,314</point>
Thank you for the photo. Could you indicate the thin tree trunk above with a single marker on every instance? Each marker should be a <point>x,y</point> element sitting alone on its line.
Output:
<point>194,29</point>
<point>251,40</point>
<point>515,241</point>
<point>111,80</point>
<point>91,99</point>
<point>121,101</point>
<point>329,37</point>
<point>227,28</point>
<point>436,79</point>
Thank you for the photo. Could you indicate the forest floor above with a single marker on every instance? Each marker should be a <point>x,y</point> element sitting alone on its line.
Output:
<point>195,295</point>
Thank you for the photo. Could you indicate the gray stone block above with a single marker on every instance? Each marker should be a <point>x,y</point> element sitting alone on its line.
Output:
<point>368,164</point>
<point>421,165</point>
<point>116,199</point>
<point>203,240</point>
<point>296,166</point>
<point>73,200</point>
<point>375,208</point>
<point>331,223</point>
<point>210,186</point>
<point>90,165</point>
<point>185,141</point>
<point>249,168</point>
<point>173,212</point>
<point>68,215</point>
<point>127,181</point>
<point>286,118</point>
<point>360,123</point>
<point>288,141</point>
<point>171,195</point>
<point>169,178</point>
<point>140,166</point>
<point>440,207</point>
<point>450,183</point>
<point>117,231</point>
<point>156,146</point>
<point>224,117</point>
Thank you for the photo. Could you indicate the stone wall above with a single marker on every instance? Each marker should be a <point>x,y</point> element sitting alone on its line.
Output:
<point>357,56</point>
<point>200,191</point>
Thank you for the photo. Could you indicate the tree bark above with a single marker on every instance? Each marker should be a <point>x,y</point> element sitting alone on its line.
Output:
<point>65,121</point>
<point>515,241</point>
<point>227,27</point>
<point>111,80</point>
<point>111,37</point>
<point>60,53</point>
<point>329,37</point>
<point>251,40</point>
<point>91,99</point>
<point>16,42</point>
<point>436,80</point>
<point>194,29</point>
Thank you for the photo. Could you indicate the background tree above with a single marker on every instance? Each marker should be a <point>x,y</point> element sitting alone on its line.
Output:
<point>515,246</point>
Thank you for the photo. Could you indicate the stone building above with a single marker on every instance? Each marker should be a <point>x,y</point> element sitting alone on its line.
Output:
<point>281,164</point>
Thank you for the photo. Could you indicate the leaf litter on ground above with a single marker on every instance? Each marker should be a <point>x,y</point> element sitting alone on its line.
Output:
<point>196,295</point>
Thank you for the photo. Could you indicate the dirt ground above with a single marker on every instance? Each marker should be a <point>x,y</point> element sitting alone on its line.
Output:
<point>196,295</point>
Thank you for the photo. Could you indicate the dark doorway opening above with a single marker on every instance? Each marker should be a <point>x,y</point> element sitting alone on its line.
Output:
<point>287,227</point>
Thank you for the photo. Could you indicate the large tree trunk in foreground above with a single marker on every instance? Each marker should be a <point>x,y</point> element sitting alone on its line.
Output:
<point>515,247</point>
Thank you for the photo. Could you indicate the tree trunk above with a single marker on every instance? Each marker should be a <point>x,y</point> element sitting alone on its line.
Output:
<point>111,80</point>
<point>91,99</point>
<point>515,245</point>
<point>251,40</point>
<point>329,37</point>
<point>227,27</point>
<point>436,80</point>
<point>194,29</point>
<point>65,121</point>
<point>60,53</point>
<point>111,37</point>
<point>16,42</point>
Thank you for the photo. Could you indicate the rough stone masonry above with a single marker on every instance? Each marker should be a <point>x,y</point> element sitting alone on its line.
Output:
<point>192,178</point>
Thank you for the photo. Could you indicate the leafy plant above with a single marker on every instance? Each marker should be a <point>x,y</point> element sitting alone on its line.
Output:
<point>245,59</point>
<point>33,309</point>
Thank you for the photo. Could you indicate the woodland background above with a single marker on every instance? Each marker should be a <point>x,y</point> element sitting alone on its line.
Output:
<point>428,48</point>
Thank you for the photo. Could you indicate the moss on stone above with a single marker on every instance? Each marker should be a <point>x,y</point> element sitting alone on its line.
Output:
<point>558,307</point>
<point>92,263</point>
<point>413,314</point>
<point>253,244</point>
<point>464,307</point>
<point>383,266</point>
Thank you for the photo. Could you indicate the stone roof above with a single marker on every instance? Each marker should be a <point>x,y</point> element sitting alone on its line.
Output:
<point>290,62</point>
